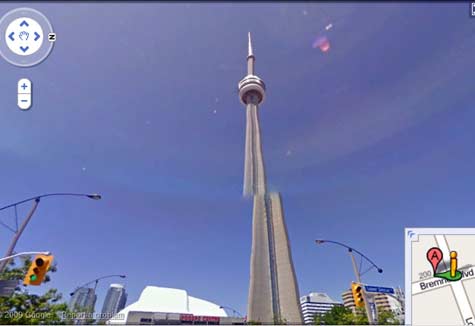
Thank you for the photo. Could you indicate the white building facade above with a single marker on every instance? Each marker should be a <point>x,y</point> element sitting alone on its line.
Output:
<point>394,303</point>
<point>168,306</point>
<point>316,304</point>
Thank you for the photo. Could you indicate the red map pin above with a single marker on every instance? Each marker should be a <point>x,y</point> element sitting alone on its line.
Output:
<point>434,256</point>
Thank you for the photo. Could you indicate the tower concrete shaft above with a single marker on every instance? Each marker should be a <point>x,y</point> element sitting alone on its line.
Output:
<point>273,291</point>
<point>254,173</point>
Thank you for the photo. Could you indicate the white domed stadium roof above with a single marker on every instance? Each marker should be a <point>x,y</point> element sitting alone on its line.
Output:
<point>156,299</point>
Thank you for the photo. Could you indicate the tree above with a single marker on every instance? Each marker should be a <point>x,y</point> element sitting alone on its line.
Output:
<point>360,317</point>
<point>387,317</point>
<point>340,315</point>
<point>25,308</point>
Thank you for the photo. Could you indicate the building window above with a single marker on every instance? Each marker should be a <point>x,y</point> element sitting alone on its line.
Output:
<point>145,320</point>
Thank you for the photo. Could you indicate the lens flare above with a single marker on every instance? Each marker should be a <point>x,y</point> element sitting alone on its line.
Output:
<point>322,43</point>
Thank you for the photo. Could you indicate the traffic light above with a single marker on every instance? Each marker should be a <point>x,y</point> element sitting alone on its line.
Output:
<point>37,271</point>
<point>357,291</point>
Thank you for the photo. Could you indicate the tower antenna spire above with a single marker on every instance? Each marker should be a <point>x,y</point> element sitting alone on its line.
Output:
<point>250,54</point>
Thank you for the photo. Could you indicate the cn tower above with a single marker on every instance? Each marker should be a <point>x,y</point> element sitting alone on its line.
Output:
<point>273,292</point>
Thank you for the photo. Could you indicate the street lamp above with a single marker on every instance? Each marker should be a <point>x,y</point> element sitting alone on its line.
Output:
<point>235,312</point>
<point>19,231</point>
<point>94,196</point>
<point>96,281</point>
<point>27,253</point>
<point>90,308</point>
<point>357,271</point>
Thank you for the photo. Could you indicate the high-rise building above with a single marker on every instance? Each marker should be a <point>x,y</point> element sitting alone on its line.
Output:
<point>314,304</point>
<point>348,300</point>
<point>115,300</point>
<point>83,300</point>
<point>273,291</point>
<point>393,303</point>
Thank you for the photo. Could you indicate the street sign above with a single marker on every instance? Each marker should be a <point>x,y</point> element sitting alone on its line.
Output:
<point>7,287</point>
<point>378,289</point>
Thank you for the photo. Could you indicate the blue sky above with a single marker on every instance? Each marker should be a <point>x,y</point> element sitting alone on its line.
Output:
<point>138,102</point>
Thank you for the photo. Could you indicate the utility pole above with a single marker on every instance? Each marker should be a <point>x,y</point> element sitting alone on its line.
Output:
<point>18,231</point>
<point>358,273</point>
<point>358,280</point>
<point>4,262</point>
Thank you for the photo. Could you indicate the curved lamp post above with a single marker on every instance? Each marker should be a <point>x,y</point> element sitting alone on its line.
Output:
<point>95,287</point>
<point>350,249</point>
<point>27,253</point>
<point>235,312</point>
<point>22,227</point>
<point>357,271</point>
<point>96,281</point>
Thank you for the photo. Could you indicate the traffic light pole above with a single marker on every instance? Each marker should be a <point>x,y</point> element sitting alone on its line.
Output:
<point>18,232</point>
<point>357,272</point>
<point>4,262</point>
<point>365,297</point>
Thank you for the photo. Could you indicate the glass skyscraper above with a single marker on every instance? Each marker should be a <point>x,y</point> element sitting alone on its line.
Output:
<point>114,302</point>
<point>83,300</point>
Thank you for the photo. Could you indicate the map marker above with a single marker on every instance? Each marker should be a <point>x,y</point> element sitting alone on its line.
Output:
<point>453,264</point>
<point>434,256</point>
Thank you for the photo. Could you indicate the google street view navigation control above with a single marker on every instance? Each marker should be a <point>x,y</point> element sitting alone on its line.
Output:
<point>28,40</point>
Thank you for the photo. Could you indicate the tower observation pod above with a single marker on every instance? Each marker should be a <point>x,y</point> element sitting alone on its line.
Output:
<point>252,91</point>
<point>251,84</point>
